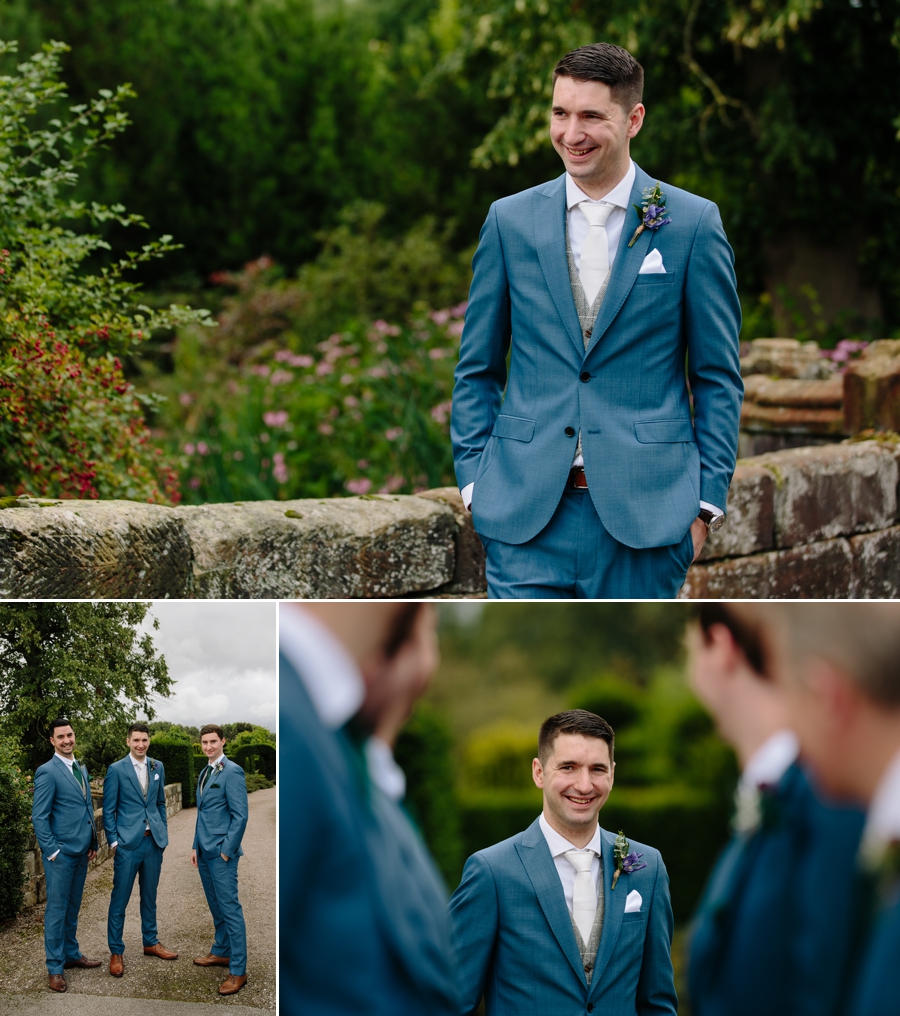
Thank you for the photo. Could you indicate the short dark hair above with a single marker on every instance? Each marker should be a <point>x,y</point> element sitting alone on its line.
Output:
<point>573,721</point>
<point>212,728</point>
<point>60,721</point>
<point>614,66</point>
<point>141,727</point>
<point>747,636</point>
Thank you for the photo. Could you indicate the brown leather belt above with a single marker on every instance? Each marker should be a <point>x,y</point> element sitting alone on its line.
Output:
<point>577,479</point>
<point>146,832</point>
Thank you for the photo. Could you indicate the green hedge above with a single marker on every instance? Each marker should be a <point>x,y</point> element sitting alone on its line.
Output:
<point>15,814</point>
<point>180,765</point>
<point>256,758</point>
<point>687,827</point>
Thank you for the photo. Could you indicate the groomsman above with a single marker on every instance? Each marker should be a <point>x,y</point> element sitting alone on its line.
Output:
<point>839,666</point>
<point>134,817</point>
<point>566,917</point>
<point>221,821</point>
<point>768,937</point>
<point>63,819</point>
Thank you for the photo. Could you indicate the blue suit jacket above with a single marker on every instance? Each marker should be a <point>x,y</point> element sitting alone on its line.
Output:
<point>877,988</point>
<point>363,911</point>
<point>515,945</point>
<point>62,816</point>
<point>773,931</point>
<point>125,812</point>
<point>647,465</point>
<point>222,811</point>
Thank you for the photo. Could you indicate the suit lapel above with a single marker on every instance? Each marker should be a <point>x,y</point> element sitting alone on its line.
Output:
<point>134,775</point>
<point>549,204</point>
<point>627,264</point>
<point>613,910</point>
<point>535,857</point>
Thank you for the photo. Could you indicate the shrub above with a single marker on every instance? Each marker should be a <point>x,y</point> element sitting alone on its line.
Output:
<point>500,757</point>
<point>256,758</point>
<point>256,781</point>
<point>616,700</point>
<point>15,814</point>
<point>70,423</point>
<point>180,765</point>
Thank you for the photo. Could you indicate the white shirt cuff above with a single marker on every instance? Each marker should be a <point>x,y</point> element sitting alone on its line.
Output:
<point>466,495</point>
<point>51,856</point>
<point>711,508</point>
<point>113,846</point>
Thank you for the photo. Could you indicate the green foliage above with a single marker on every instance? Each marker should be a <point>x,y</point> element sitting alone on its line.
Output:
<point>256,758</point>
<point>241,732</point>
<point>15,815</point>
<point>89,662</point>
<point>424,752</point>
<point>617,701</point>
<point>180,764</point>
<point>101,744</point>
<point>500,756</point>
<point>173,733</point>
<point>256,781</point>
<point>70,424</point>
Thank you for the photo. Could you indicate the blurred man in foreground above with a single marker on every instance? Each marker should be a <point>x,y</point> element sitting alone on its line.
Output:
<point>840,666</point>
<point>773,931</point>
<point>363,910</point>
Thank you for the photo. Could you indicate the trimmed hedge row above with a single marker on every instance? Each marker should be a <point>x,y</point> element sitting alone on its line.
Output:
<point>688,828</point>
<point>180,765</point>
<point>256,758</point>
<point>15,814</point>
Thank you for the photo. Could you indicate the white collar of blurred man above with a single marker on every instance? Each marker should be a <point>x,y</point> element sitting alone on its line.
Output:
<point>371,661</point>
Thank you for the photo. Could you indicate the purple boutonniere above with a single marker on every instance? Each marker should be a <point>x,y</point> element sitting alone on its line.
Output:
<point>153,765</point>
<point>651,211</point>
<point>626,862</point>
<point>218,768</point>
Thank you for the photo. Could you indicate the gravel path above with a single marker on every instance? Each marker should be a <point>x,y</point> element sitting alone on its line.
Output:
<point>185,925</point>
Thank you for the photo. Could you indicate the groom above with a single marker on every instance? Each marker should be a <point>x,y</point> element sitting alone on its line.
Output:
<point>546,922</point>
<point>601,473</point>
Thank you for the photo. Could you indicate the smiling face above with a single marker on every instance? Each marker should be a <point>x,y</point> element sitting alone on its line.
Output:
<point>138,743</point>
<point>63,741</point>
<point>591,132</point>
<point>576,780</point>
<point>212,746</point>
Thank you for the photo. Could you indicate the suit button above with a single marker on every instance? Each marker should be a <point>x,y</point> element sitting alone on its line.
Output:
<point>590,1007</point>
<point>585,375</point>
<point>587,333</point>
<point>570,432</point>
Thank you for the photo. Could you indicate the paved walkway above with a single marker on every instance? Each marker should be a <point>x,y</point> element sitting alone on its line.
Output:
<point>178,987</point>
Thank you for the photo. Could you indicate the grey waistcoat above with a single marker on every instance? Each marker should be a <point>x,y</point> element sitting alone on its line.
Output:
<point>589,951</point>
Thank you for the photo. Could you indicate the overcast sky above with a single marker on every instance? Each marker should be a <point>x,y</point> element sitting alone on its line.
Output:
<point>221,656</point>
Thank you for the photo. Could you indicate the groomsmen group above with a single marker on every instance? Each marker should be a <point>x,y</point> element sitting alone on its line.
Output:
<point>801,914</point>
<point>136,827</point>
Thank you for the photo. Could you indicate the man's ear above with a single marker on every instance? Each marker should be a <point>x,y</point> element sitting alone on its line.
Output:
<point>537,773</point>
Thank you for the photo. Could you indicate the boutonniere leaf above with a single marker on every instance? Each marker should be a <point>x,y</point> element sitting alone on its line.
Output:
<point>626,861</point>
<point>651,211</point>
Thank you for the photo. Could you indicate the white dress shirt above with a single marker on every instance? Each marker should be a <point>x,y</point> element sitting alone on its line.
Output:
<point>558,846</point>
<point>883,818</point>
<point>771,760</point>
<point>139,764</point>
<point>334,684</point>
<point>620,198</point>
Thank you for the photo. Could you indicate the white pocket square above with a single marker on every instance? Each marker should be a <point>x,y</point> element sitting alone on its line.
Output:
<point>653,264</point>
<point>156,777</point>
<point>633,902</point>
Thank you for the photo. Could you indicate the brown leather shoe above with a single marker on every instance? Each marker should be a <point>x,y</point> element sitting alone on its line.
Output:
<point>232,984</point>
<point>57,982</point>
<point>83,962</point>
<point>161,951</point>
<point>116,965</point>
<point>209,960</point>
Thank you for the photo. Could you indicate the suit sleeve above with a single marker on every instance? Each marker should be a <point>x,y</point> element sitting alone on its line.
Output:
<point>44,796</point>
<point>656,986</point>
<point>712,321</point>
<point>161,795</point>
<point>111,804</point>
<point>236,796</point>
<point>481,371</point>
<point>474,923</point>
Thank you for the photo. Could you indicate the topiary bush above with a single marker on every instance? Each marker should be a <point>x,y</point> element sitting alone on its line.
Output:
<point>15,821</point>
<point>256,758</point>
<point>180,765</point>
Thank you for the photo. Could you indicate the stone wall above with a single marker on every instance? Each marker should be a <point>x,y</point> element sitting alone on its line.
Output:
<point>818,521</point>
<point>36,884</point>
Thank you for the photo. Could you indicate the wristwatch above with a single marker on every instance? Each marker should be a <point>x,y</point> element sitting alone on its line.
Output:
<point>712,520</point>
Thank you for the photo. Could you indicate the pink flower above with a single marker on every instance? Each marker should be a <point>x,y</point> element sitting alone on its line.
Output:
<point>361,486</point>
<point>347,379</point>
<point>378,372</point>
<point>440,317</point>
<point>325,428</point>
<point>351,401</point>
<point>189,449</point>
<point>194,482</point>
<point>362,464</point>
<point>391,484</point>
<point>437,354</point>
<point>238,455</point>
<point>441,412</point>
<point>185,398</point>
<point>460,309</point>
<point>279,469</point>
<point>203,448</point>
<point>385,328</point>
<point>261,369</point>
<point>275,419</point>
<point>392,433</point>
<point>324,368</point>
<point>455,328</point>
<point>281,377</point>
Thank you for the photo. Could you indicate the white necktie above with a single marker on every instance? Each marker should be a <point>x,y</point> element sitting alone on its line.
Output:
<point>584,896</point>
<point>594,264</point>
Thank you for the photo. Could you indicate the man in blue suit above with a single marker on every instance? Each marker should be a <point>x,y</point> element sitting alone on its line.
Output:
<point>838,663</point>
<point>601,473</point>
<point>134,818</point>
<point>565,918</point>
<point>221,821</point>
<point>363,908</point>
<point>768,937</point>
<point>63,820</point>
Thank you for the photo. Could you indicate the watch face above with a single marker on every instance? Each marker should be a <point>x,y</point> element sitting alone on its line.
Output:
<point>717,523</point>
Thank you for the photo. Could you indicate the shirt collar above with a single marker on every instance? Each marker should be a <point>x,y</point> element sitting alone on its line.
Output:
<point>216,761</point>
<point>620,195</point>
<point>883,819</point>
<point>771,760</point>
<point>559,844</point>
<point>68,761</point>
<point>137,763</point>
<point>328,672</point>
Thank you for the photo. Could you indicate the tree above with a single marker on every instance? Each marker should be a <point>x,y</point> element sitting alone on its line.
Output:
<point>89,662</point>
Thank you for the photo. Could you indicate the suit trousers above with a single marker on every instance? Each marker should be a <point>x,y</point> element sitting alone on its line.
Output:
<point>65,876</point>
<point>145,862</point>
<point>220,883</point>
<point>574,557</point>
